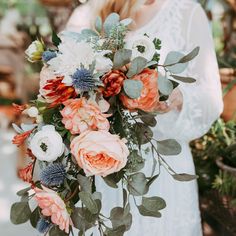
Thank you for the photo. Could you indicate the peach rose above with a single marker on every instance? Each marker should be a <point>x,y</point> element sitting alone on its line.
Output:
<point>53,206</point>
<point>149,99</point>
<point>99,152</point>
<point>81,114</point>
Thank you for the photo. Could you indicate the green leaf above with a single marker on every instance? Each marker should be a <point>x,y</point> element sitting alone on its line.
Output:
<point>137,184</point>
<point>111,21</point>
<point>169,147</point>
<point>98,24</point>
<point>135,162</point>
<point>121,58</point>
<point>184,79</point>
<point>23,192</point>
<point>133,88</point>
<point>137,66</point>
<point>88,33</point>
<point>20,213</point>
<point>172,62</point>
<point>55,39</point>
<point>119,217</point>
<point>165,86</point>
<point>190,56</point>
<point>83,219</point>
<point>34,218</point>
<point>89,202</point>
<point>116,232</point>
<point>85,183</point>
<point>126,21</point>
<point>113,179</point>
<point>147,118</point>
<point>184,177</point>
<point>143,133</point>
<point>55,231</point>
<point>151,206</point>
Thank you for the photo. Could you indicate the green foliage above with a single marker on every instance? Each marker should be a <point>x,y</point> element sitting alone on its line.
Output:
<point>121,58</point>
<point>137,65</point>
<point>169,147</point>
<point>20,213</point>
<point>133,88</point>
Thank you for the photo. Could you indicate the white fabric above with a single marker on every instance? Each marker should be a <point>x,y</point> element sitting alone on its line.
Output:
<point>181,25</point>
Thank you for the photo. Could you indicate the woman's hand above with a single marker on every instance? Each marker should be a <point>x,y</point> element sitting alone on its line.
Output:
<point>175,102</point>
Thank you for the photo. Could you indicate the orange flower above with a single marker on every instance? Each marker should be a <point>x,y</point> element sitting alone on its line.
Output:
<point>81,114</point>
<point>26,174</point>
<point>52,88</point>
<point>18,109</point>
<point>113,82</point>
<point>149,99</point>
<point>19,139</point>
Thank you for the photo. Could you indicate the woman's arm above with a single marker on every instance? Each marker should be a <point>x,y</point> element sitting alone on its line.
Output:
<point>202,101</point>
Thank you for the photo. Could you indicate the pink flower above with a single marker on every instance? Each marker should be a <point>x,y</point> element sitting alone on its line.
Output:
<point>53,206</point>
<point>80,115</point>
<point>99,152</point>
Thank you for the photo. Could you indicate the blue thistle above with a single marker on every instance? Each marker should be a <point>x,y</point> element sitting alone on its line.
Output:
<point>48,55</point>
<point>43,226</point>
<point>83,80</point>
<point>53,175</point>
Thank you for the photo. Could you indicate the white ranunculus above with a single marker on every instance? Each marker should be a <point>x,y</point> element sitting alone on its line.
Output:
<point>47,144</point>
<point>141,46</point>
<point>34,51</point>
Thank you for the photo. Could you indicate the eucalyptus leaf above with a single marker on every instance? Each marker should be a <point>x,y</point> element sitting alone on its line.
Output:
<point>137,184</point>
<point>20,213</point>
<point>190,56</point>
<point>88,33</point>
<point>137,65</point>
<point>169,147</point>
<point>89,202</point>
<point>143,133</point>
<point>126,21</point>
<point>116,232</point>
<point>148,119</point>
<point>133,88</point>
<point>119,217</point>
<point>135,162</point>
<point>184,79</point>
<point>85,183</point>
<point>55,231</point>
<point>172,62</point>
<point>35,216</point>
<point>111,21</point>
<point>151,64</point>
<point>121,58</point>
<point>23,192</point>
<point>144,212</point>
<point>165,86</point>
<point>98,24</point>
<point>184,177</point>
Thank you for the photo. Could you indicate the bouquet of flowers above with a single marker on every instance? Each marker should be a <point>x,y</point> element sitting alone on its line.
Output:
<point>100,91</point>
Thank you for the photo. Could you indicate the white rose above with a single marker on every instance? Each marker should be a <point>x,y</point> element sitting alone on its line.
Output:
<point>47,144</point>
<point>141,46</point>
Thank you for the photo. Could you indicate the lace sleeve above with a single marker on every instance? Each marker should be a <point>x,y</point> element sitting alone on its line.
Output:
<point>203,100</point>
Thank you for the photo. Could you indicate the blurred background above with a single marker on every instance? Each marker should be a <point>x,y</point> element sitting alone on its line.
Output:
<point>22,21</point>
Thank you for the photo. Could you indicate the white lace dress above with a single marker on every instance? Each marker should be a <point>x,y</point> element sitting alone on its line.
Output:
<point>181,25</point>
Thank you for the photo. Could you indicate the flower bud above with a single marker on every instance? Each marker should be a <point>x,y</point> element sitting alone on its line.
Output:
<point>32,112</point>
<point>35,51</point>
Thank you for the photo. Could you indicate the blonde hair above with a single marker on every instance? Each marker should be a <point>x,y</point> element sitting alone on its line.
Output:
<point>125,8</point>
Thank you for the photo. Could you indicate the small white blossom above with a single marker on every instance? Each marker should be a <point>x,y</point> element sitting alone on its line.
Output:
<point>34,51</point>
<point>32,112</point>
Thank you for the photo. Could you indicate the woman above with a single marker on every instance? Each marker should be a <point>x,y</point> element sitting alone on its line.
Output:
<point>181,25</point>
